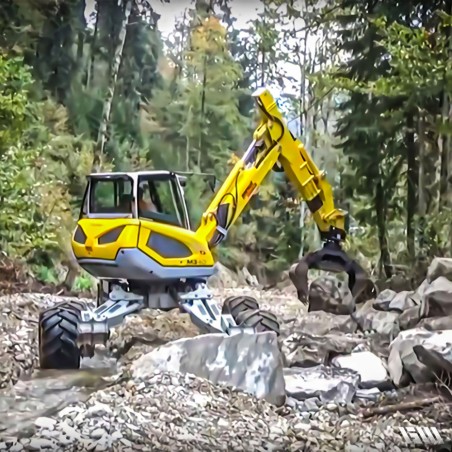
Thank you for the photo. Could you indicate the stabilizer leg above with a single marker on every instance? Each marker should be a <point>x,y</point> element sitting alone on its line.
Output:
<point>205,312</point>
<point>94,327</point>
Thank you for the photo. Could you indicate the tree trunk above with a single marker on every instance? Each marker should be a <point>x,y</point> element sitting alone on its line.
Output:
<point>411,189</point>
<point>202,116</point>
<point>102,135</point>
<point>81,33</point>
<point>89,76</point>
<point>447,115</point>
<point>422,198</point>
<point>380,207</point>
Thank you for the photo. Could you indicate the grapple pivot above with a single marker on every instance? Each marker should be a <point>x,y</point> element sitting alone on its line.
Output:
<point>330,258</point>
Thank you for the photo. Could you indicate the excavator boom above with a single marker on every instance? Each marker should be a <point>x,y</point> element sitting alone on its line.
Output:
<point>273,144</point>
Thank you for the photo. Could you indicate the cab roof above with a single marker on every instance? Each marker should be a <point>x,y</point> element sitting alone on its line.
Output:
<point>133,174</point>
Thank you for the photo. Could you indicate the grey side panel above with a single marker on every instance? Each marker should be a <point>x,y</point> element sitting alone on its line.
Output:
<point>133,264</point>
<point>167,246</point>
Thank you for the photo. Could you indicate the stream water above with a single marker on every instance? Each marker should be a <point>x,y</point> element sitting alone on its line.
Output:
<point>48,391</point>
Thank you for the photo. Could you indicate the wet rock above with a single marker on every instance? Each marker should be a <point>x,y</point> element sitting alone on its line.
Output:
<point>251,362</point>
<point>40,443</point>
<point>330,384</point>
<point>305,350</point>
<point>369,393</point>
<point>29,402</point>
<point>370,367</point>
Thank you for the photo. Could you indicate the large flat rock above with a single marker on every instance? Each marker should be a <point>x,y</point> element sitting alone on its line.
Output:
<point>250,362</point>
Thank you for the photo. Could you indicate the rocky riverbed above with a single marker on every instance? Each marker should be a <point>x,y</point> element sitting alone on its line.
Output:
<point>330,382</point>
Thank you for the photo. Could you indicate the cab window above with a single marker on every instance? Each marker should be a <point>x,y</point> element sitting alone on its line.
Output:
<point>158,200</point>
<point>110,196</point>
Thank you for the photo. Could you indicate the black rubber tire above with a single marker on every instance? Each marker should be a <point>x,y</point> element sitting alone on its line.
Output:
<point>58,331</point>
<point>236,304</point>
<point>258,319</point>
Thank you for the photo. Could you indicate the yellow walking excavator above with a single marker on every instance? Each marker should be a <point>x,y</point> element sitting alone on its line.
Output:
<point>135,237</point>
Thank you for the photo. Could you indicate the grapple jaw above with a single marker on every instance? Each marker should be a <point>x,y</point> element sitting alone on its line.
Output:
<point>330,258</point>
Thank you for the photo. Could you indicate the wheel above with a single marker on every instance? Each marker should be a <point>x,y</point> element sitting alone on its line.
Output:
<point>235,304</point>
<point>58,331</point>
<point>259,320</point>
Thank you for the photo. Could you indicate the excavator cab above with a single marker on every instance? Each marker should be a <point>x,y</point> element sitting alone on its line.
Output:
<point>135,226</point>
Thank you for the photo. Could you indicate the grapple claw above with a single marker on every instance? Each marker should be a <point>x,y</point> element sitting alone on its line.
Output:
<point>333,259</point>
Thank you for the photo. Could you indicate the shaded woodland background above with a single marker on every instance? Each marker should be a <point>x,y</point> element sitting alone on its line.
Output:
<point>368,91</point>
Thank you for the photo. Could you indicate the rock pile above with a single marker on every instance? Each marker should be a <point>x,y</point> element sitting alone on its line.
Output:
<point>173,412</point>
<point>346,379</point>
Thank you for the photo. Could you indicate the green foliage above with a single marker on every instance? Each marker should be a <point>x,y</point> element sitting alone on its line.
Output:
<point>15,81</point>
<point>46,275</point>
<point>23,227</point>
<point>83,283</point>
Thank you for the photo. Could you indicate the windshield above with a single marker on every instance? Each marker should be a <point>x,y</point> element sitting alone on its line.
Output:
<point>111,196</point>
<point>159,200</point>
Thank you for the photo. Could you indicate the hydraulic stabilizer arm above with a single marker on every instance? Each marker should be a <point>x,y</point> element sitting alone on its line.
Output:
<point>273,144</point>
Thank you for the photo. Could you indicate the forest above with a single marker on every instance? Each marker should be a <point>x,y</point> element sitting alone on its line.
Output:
<point>366,85</point>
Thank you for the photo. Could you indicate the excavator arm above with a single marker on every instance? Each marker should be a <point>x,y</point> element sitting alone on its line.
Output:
<point>273,144</point>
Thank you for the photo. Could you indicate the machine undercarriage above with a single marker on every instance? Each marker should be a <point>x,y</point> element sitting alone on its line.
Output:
<point>70,331</point>
<point>197,301</point>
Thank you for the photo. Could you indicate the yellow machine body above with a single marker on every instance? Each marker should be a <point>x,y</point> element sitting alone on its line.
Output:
<point>144,244</point>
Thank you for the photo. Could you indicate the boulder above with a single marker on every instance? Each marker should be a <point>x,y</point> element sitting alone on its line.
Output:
<point>327,293</point>
<point>388,300</point>
<point>437,298</point>
<point>418,354</point>
<point>382,322</point>
<point>436,323</point>
<point>370,367</point>
<point>383,299</point>
<point>305,350</point>
<point>435,352</point>
<point>321,323</point>
<point>250,362</point>
<point>440,266</point>
<point>410,317</point>
<point>329,384</point>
